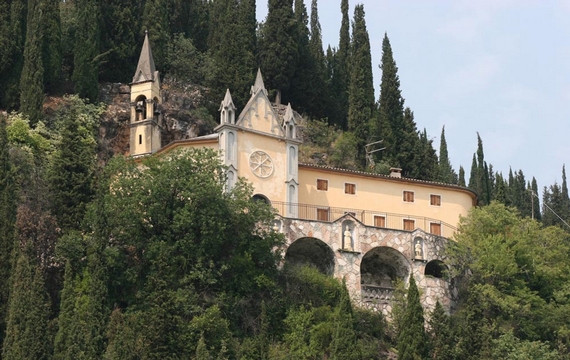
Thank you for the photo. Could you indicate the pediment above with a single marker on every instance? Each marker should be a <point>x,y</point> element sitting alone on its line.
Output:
<point>259,115</point>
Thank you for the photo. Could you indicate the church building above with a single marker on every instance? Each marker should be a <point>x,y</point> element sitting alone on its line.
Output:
<point>372,230</point>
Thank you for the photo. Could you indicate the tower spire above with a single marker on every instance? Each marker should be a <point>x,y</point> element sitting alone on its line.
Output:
<point>259,85</point>
<point>146,70</point>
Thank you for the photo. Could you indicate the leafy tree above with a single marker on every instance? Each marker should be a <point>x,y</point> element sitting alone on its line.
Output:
<point>278,51</point>
<point>86,53</point>
<point>7,221</point>
<point>412,339</point>
<point>31,82</point>
<point>446,173</point>
<point>361,89</point>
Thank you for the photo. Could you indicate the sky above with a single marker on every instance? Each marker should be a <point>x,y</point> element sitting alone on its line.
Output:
<point>497,67</point>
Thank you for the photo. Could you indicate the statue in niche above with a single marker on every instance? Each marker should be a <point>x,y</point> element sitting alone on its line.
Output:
<point>418,248</point>
<point>347,240</point>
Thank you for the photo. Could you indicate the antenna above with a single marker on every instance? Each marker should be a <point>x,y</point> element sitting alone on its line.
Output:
<point>369,152</point>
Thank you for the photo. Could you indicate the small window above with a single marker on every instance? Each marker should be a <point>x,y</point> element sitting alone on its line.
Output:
<point>435,229</point>
<point>140,139</point>
<point>435,200</point>
<point>379,221</point>
<point>350,188</point>
<point>323,214</point>
<point>408,196</point>
<point>322,184</point>
<point>409,225</point>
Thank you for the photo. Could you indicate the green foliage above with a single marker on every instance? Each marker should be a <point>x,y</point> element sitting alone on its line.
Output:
<point>27,324</point>
<point>278,52</point>
<point>51,42</point>
<point>516,270</point>
<point>446,174</point>
<point>361,89</point>
<point>412,339</point>
<point>185,63</point>
<point>85,60</point>
<point>12,39</point>
<point>440,334</point>
<point>72,167</point>
<point>339,73</point>
<point>31,82</point>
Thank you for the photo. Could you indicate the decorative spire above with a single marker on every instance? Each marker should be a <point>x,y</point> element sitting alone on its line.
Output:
<point>145,69</point>
<point>227,102</point>
<point>258,84</point>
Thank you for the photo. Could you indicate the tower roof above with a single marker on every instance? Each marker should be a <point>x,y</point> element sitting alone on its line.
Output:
<point>228,101</point>
<point>145,69</point>
<point>289,115</point>
<point>259,85</point>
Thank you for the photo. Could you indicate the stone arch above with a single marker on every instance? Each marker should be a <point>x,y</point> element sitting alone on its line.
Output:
<point>435,268</point>
<point>311,251</point>
<point>383,266</point>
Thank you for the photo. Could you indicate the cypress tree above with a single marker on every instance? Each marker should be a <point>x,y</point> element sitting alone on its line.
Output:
<point>31,82</point>
<point>536,200</point>
<point>85,60</point>
<point>446,174</point>
<point>479,180</point>
<point>51,43</point>
<point>361,89</point>
<point>390,124</point>
<point>278,51</point>
<point>440,334</point>
<point>199,19</point>
<point>461,177</point>
<point>7,221</point>
<point>341,75</point>
<point>12,40</point>
<point>121,25</point>
<point>412,339</point>
<point>28,313</point>
<point>156,22</point>
<point>425,165</point>
<point>473,176</point>
<point>71,170</point>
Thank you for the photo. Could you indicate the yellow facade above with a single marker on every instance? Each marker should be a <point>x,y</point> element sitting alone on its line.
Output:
<point>260,145</point>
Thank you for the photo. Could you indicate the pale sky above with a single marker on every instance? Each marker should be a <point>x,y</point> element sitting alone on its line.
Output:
<point>500,68</point>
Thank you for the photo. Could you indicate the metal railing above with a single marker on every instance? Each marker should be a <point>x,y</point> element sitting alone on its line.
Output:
<point>376,294</point>
<point>378,219</point>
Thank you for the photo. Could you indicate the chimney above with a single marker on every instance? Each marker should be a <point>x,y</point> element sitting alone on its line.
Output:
<point>396,172</point>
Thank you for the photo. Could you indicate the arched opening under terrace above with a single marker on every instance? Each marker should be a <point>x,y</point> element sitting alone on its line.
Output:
<point>380,271</point>
<point>313,252</point>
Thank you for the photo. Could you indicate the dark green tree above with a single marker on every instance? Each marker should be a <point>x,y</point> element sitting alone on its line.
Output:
<point>72,167</point>
<point>320,80</point>
<point>446,173</point>
<point>340,72</point>
<point>32,80</point>
<point>412,339</point>
<point>156,21</point>
<point>86,54</point>
<point>12,40</point>
<point>479,180</point>
<point>278,50</point>
<point>440,334</point>
<point>121,24</point>
<point>461,177</point>
<point>51,43</point>
<point>27,334</point>
<point>7,221</point>
<point>361,89</point>
<point>535,200</point>
<point>425,164</point>
<point>390,125</point>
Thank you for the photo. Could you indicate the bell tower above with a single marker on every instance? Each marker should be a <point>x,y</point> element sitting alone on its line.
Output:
<point>146,117</point>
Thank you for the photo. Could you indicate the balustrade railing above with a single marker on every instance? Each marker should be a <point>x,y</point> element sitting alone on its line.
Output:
<point>368,217</point>
<point>376,294</point>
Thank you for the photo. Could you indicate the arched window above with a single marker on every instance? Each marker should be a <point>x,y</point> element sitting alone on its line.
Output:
<point>435,268</point>
<point>231,180</point>
<point>259,197</point>
<point>231,145</point>
<point>292,162</point>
